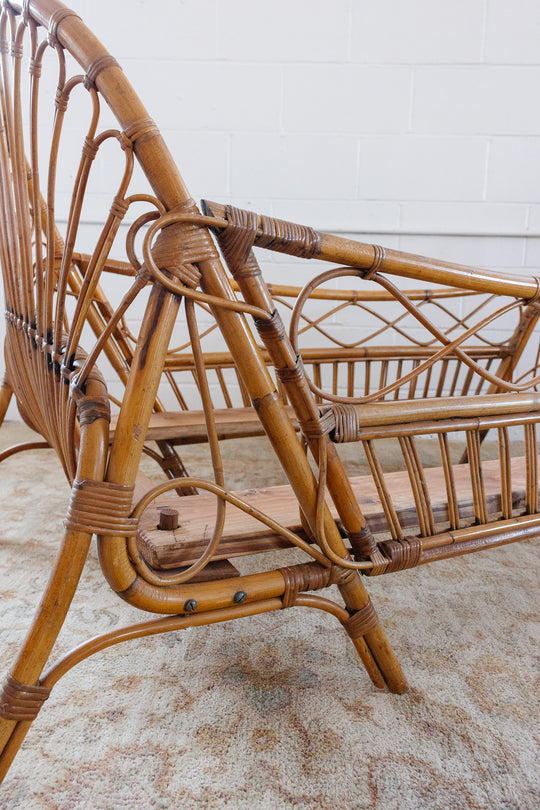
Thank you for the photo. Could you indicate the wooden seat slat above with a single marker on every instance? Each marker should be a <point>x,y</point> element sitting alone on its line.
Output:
<point>189,427</point>
<point>244,534</point>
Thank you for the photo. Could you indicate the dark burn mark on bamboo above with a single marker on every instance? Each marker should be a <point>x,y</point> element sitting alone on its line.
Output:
<point>153,323</point>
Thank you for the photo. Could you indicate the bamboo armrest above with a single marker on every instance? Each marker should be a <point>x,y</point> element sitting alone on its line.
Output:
<point>355,422</point>
<point>298,240</point>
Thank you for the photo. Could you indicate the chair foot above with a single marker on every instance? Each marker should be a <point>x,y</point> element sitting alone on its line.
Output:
<point>369,638</point>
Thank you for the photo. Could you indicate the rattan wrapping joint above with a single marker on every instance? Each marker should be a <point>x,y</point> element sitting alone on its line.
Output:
<point>380,563</point>
<point>402,554</point>
<point>319,427</point>
<point>34,68</point>
<point>180,245</point>
<point>119,207</point>
<point>305,577</point>
<point>237,240</point>
<point>362,621</point>
<point>347,423</point>
<point>139,129</point>
<point>376,264</point>
<point>55,20</point>
<point>21,702</point>
<point>95,68</point>
<point>294,375</point>
<point>99,507</point>
<point>17,50</point>
<point>90,148</point>
<point>61,100</point>
<point>363,543</point>
<point>297,240</point>
<point>272,328</point>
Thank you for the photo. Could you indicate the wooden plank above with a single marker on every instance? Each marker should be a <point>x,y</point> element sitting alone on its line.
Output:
<point>189,427</point>
<point>246,535</point>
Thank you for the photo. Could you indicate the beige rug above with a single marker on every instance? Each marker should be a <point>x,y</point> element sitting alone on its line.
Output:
<point>276,711</point>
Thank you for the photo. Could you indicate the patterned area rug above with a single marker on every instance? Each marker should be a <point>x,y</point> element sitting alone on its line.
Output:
<point>276,711</point>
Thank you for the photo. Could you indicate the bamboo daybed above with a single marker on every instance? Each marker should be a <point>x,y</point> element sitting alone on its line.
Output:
<point>454,382</point>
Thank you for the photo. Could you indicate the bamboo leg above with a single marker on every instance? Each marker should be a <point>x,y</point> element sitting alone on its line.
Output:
<point>356,598</point>
<point>51,613</point>
<point>40,640</point>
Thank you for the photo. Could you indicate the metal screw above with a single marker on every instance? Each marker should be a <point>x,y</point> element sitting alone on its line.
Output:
<point>239,597</point>
<point>190,606</point>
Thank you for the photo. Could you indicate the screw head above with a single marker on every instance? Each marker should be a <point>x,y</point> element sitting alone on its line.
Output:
<point>239,597</point>
<point>190,606</point>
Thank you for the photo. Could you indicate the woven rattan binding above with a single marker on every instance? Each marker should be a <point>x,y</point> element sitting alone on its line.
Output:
<point>362,621</point>
<point>305,577</point>
<point>98,507</point>
<point>20,701</point>
<point>402,554</point>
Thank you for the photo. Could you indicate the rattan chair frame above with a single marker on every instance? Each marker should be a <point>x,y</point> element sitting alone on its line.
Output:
<point>63,396</point>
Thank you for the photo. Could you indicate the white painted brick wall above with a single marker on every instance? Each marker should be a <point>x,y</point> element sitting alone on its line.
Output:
<point>366,116</point>
<point>417,123</point>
